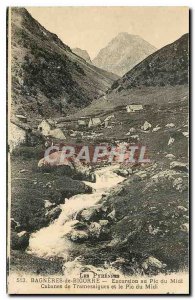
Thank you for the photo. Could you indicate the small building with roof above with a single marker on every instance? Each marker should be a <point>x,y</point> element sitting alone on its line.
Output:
<point>93,122</point>
<point>22,118</point>
<point>46,126</point>
<point>57,133</point>
<point>134,108</point>
<point>82,122</point>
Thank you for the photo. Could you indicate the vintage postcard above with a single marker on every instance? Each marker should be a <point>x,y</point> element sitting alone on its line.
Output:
<point>98,147</point>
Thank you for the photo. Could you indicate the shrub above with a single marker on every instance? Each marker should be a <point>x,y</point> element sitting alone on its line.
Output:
<point>27,152</point>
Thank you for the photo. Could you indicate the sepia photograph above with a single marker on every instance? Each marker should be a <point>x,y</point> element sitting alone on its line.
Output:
<point>98,150</point>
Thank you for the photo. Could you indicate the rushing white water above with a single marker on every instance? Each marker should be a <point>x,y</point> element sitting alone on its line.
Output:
<point>52,241</point>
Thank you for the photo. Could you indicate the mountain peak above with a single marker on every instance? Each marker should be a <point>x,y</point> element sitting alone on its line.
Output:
<point>167,66</point>
<point>122,53</point>
<point>123,34</point>
<point>126,34</point>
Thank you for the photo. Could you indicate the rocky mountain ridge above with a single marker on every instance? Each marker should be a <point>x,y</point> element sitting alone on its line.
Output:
<point>122,53</point>
<point>167,66</point>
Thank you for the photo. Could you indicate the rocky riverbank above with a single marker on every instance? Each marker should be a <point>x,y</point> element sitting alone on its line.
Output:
<point>132,218</point>
<point>128,226</point>
<point>37,194</point>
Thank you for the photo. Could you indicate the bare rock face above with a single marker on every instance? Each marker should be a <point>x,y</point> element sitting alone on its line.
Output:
<point>122,53</point>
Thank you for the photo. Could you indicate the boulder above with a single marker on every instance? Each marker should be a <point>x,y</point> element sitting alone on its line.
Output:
<point>83,170</point>
<point>119,262</point>
<point>122,172</point>
<point>96,213</point>
<point>186,134</point>
<point>177,181</point>
<point>112,215</point>
<point>130,171</point>
<point>84,174</point>
<point>78,170</point>
<point>105,231</point>
<point>88,189</point>
<point>80,226</point>
<point>23,171</point>
<point>146,126</point>
<point>178,184</point>
<point>19,241</point>
<point>170,125</point>
<point>141,174</point>
<point>179,166</point>
<point>89,214</point>
<point>182,208</point>
<point>132,130</point>
<point>170,156</point>
<point>152,262</point>
<point>156,128</point>
<point>49,204</point>
<point>53,213</point>
<point>135,137</point>
<point>78,236</point>
<point>55,159</point>
<point>95,229</point>
<point>103,222</point>
<point>168,174</point>
<point>153,230</point>
<point>104,208</point>
<point>185,227</point>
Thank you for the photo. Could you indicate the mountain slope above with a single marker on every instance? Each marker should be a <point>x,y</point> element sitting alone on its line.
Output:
<point>167,66</point>
<point>48,79</point>
<point>160,78</point>
<point>82,53</point>
<point>123,53</point>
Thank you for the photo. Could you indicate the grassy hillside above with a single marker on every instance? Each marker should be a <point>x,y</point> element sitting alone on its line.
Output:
<point>160,78</point>
<point>167,66</point>
<point>48,79</point>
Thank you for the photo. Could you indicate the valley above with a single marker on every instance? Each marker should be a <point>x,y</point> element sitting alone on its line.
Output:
<point>127,219</point>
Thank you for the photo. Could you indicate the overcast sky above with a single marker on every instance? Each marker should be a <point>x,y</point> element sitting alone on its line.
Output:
<point>91,28</point>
